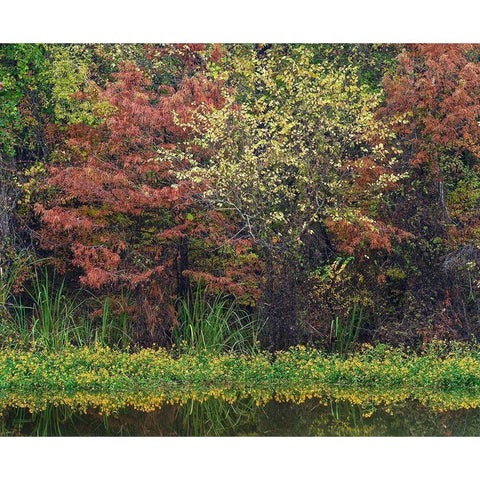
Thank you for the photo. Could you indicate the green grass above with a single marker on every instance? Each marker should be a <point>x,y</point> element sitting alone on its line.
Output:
<point>12,322</point>
<point>53,312</point>
<point>344,334</point>
<point>48,317</point>
<point>215,325</point>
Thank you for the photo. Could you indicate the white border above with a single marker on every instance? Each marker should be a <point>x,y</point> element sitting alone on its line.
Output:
<point>247,21</point>
<point>210,21</point>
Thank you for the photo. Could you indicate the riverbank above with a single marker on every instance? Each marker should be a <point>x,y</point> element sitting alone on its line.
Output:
<point>446,377</point>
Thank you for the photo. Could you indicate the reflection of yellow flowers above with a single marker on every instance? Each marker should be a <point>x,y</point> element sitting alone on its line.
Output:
<point>110,380</point>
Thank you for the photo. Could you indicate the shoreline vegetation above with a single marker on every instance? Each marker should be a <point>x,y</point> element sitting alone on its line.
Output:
<point>444,377</point>
<point>219,194</point>
<point>274,222</point>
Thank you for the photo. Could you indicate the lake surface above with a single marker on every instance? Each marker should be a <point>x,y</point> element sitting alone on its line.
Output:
<point>243,417</point>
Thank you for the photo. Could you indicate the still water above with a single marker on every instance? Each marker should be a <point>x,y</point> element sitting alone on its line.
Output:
<point>243,417</point>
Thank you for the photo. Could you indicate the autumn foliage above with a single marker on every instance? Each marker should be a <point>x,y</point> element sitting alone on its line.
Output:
<point>302,182</point>
<point>114,210</point>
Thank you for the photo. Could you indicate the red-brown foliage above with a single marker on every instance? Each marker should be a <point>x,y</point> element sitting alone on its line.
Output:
<point>436,89</point>
<point>118,211</point>
<point>433,98</point>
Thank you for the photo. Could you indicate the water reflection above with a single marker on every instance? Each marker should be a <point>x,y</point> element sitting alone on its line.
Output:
<point>244,416</point>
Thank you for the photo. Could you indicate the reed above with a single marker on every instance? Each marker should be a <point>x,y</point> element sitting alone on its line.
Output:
<point>215,325</point>
<point>344,334</point>
<point>53,316</point>
<point>115,330</point>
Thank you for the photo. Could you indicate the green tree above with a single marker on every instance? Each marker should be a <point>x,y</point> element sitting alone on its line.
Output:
<point>291,157</point>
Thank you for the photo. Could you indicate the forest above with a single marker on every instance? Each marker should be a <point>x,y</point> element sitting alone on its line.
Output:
<point>239,239</point>
<point>239,196</point>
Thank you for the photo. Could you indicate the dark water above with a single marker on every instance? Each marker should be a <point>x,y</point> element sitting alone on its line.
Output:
<point>216,417</point>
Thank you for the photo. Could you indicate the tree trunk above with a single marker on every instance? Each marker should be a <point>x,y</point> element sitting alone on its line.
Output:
<point>280,303</point>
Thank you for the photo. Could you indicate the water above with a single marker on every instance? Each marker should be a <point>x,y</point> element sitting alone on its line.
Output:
<point>243,417</point>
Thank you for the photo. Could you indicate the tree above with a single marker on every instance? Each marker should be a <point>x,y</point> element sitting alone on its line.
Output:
<point>434,98</point>
<point>291,158</point>
<point>113,209</point>
<point>23,139</point>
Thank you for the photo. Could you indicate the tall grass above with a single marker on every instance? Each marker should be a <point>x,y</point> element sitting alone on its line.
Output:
<point>53,312</point>
<point>215,325</point>
<point>344,334</point>
<point>49,317</point>
<point>13,316</point>
<point>114,328</point>
<point>8,277</point>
